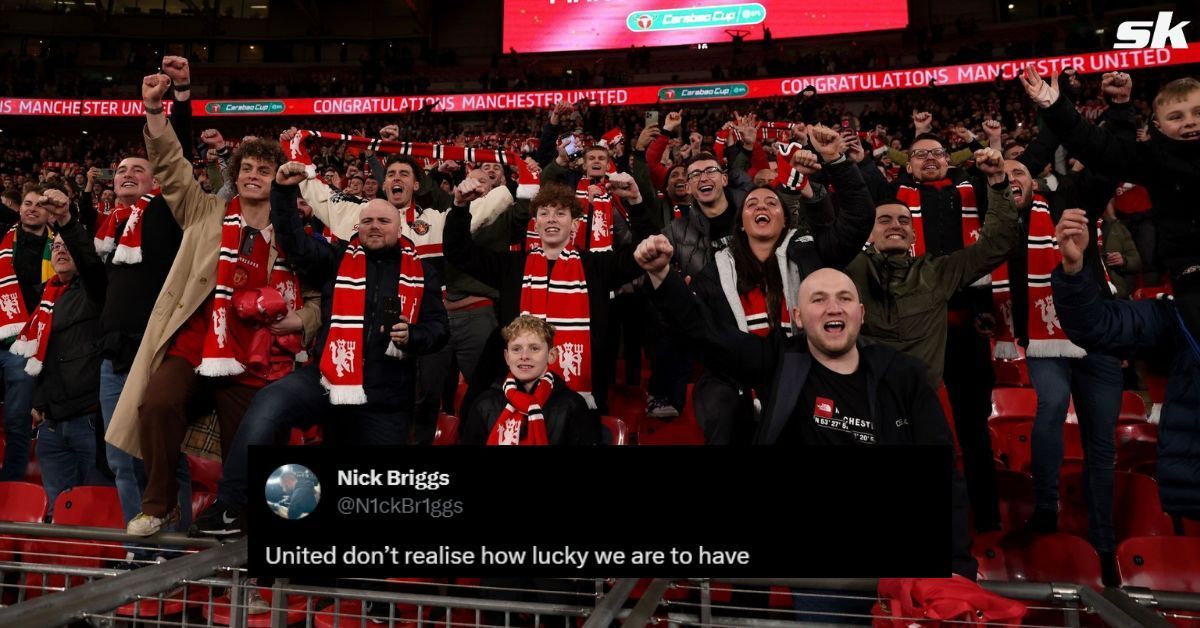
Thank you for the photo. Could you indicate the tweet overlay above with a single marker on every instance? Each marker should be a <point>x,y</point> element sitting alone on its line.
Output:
<point>600,512</point>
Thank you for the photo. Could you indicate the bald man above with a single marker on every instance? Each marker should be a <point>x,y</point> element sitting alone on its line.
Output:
<point>826,386</point>
<point>372,334</point>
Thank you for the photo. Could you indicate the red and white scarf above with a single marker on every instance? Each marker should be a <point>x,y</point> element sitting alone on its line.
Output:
<point>219,356</point>
<point>750,309</point>
<point>561,298</point>
<point>1046,336</point>
<point>13,313</point>
<point>911,196</point>
<point>522,409</point>
<point>343,358</point>
<point>129,251</point>
<point>35,335</point>
<point>527,182</point>
<point>784,174</point>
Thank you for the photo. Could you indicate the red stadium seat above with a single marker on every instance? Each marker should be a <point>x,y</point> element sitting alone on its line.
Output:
<point>220,615</point>
<point>1137,445</point>
<point>614,431</point>
<point>171,605</point>
<point>1162,563</point>
<point>33,470</point>
<point>20,502</point>
<point>629,403</point>
<point>681,430</point>
<point>1191,527</point>
<point>1137,510</point>
<point>201,500</point>
<point>1011,373</point>
<point>1019,441</point>
<point>1133,407</point>
<point>447,430</point>
<point>1015,490</point>
<point>1003,439</point>
<point>1013,404</point>
<point>987,550</point>
<point>93,506</point>
<point>1051,558</point>
<point>206,473</point>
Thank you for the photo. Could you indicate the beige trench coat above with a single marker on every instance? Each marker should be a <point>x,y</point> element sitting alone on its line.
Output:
<point>189,283</point>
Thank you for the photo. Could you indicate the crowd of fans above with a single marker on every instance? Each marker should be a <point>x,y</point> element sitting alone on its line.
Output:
<point>288,277</point>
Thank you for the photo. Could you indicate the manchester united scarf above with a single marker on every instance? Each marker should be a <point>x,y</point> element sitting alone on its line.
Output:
<point>561,298</point>
<point>13,310</point>
<point>35,335</point>
<point>219,356</point>
<point>343,359</point>
<point>129,251</point>
<point>523,409</point>
<point>911,196</point>
<point>1046,336</point>
<point>527,183</point>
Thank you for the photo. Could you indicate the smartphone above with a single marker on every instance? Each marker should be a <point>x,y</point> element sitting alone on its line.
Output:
<point>651,118</point>
<point>390,312</point>
<point>106,174</point>
<point>570,145</point>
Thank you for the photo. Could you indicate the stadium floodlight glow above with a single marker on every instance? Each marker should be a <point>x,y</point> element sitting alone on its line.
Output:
<point>258,7</point>
<point>1011,7</point>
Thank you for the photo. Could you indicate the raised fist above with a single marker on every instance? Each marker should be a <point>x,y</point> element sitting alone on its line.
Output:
<point>467,191</point>
<point>291,173</point>
<point>1116,86</point>
<point>994,131</point>
<point>212,139</point>
<point>177,69</point>
<point>990,162</point>
<point>922,121</point>
<point>653,255</point>
<point>154,87</point>
<point>828,143</point>
<point>673,121</point>
<point>622,185</point>
<point>805,162</point>
<point>389,132</point>
<point>287,135</point>
<point>56,204</point>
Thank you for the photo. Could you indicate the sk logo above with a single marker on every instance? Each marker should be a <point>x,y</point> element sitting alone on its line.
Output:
<point>645,21</point>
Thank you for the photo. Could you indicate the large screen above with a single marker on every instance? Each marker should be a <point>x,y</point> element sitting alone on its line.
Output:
<point>558,25</point>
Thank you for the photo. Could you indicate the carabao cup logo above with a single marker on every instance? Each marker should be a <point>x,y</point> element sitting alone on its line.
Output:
<point>645,21</point>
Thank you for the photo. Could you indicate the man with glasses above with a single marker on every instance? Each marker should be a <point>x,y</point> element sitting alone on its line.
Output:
<point>948,207</point>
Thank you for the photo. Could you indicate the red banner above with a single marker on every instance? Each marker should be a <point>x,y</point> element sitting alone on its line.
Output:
<point>858,82</point>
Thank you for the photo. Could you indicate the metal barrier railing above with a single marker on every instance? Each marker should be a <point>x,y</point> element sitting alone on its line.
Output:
<point>210,587</point>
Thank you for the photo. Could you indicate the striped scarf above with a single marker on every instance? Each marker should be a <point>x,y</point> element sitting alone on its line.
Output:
<point>343,358</point>
<point>13,311</point>
<point>219,356</point>
<point>911,196</point>
<point>129,251</point>
<point>35,336</point>
<point>561,298</point>
<point>523,409</point>
<point>1046,336</point>
<point>297,150</point>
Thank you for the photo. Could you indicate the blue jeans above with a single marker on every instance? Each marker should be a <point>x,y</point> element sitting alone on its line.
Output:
<point>18,423</point>
<point>67,452</point>
<point>130,472</point>
<point>300,400</point>
<point>1095,382</point>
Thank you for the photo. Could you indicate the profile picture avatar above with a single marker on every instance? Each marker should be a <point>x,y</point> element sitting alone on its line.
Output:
<point>292,491</point>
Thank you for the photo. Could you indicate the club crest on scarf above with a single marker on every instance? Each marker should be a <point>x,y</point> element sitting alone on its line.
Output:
<point>341,353</point>
<point>10,305</point>
<point>1045,305</point>
<point>570,358</point>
